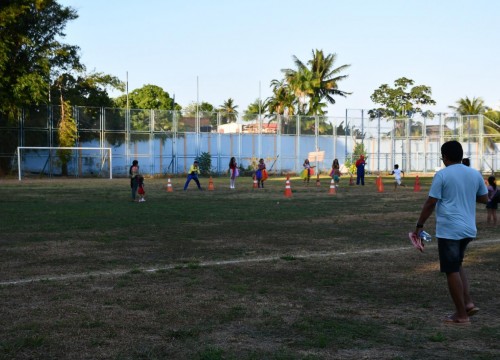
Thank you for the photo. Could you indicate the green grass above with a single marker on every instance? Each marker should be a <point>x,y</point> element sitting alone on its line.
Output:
<point>231,274</point>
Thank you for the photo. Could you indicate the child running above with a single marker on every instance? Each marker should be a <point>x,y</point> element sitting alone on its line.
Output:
<point>397,177</point>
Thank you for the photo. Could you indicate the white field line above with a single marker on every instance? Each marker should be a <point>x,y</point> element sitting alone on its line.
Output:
<point>477,243</point>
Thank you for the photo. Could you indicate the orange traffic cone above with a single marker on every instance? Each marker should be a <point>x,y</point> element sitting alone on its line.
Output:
<point>317,180</point>
<point>288,187</point>
<point>169,186</point>
<point>416,187</point>
<point>210,184</point>
<point>333,190</point>
<point>255,184</point>
<point>380,184</point>
<point>351,181</point>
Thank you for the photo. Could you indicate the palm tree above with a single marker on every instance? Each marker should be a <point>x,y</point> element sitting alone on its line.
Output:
<point>328,76</point>
<point>283,99</point>
<point>255,108</point>
<point>228,111</point>
<point>316,83</point>
<point>303,84</point>
<point>281,104</point>
<point>471,108</point>
<point>474,106</point>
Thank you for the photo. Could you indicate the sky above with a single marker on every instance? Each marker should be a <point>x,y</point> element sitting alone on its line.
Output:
<point>214,50</point>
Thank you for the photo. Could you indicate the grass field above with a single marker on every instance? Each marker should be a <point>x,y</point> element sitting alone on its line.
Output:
<point>232,274</point>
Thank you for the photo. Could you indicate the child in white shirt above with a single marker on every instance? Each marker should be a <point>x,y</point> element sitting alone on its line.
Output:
<point>397,176</point>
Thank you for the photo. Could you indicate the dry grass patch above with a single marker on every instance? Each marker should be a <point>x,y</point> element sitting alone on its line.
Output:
<point>319,277</point>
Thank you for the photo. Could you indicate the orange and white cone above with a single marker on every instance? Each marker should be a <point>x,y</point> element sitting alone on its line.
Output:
<point>333,190</point>
<point>255,184</point>
<point>211,184</point>
<point>416,187</point>
<point>288,187</point>
<point>351,181</point>
<point>169,186</point>
<point>380,185</point>
<point>317,181</point>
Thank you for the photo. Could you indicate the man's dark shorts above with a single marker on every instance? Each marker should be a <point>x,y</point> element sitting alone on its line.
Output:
<point>451,254</point>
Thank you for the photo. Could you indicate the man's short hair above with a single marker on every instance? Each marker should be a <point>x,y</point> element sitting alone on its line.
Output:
<point>452,150</point>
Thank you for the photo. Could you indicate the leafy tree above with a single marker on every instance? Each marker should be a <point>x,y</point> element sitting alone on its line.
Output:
<point>350,162</point>
<point>147,97</point>
<point>30,51</point>
<point>67,134</point>
<point>228,111</point>
<point>401,101</point>
<point>88,89</point>
<point>205,109</point>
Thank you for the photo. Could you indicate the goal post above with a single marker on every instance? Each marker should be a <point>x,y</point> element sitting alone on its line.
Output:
<point>53,161</point>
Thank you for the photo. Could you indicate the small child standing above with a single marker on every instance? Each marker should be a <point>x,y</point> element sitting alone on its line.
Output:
<point>492,205</point>
<point>307,170</point>
<point>261,173</point>
<point>397,176</point>
<point>335,173</point>
<point>140,188</point>
<point>233,172</point>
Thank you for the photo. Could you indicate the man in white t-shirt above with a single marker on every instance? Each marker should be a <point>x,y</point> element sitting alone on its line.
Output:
<point>454,193</point>
<point>397,176</point>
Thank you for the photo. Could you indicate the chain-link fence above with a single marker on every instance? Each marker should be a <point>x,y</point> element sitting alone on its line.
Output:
<point>167,142</point>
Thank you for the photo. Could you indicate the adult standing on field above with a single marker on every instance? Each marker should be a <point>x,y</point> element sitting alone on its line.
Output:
<point>360,170</point>
<point>133,173</point>
<point>454,193</point>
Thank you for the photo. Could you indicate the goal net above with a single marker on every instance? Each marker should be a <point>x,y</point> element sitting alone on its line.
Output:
<point>33,161</point>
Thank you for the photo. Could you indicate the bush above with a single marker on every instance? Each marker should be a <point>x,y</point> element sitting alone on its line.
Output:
<point>205,163</point>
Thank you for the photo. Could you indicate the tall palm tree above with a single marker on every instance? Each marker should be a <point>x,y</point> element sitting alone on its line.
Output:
<point>255,108</point>
<point>303,84</point>
<point>470,108</point>
<point>315,83</point>
<point>328,76</point>
<point>228,111</point>
<point>474,106</point>
<point>282,101</point>
<point>281,104</point>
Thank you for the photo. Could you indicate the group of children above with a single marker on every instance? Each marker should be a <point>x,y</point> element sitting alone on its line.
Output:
<point>137,181</point>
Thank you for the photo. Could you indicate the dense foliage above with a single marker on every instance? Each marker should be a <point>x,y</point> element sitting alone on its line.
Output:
<point>31,51</point>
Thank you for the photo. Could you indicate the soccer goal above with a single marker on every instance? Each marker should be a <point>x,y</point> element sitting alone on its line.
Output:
<point>35,161</point>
